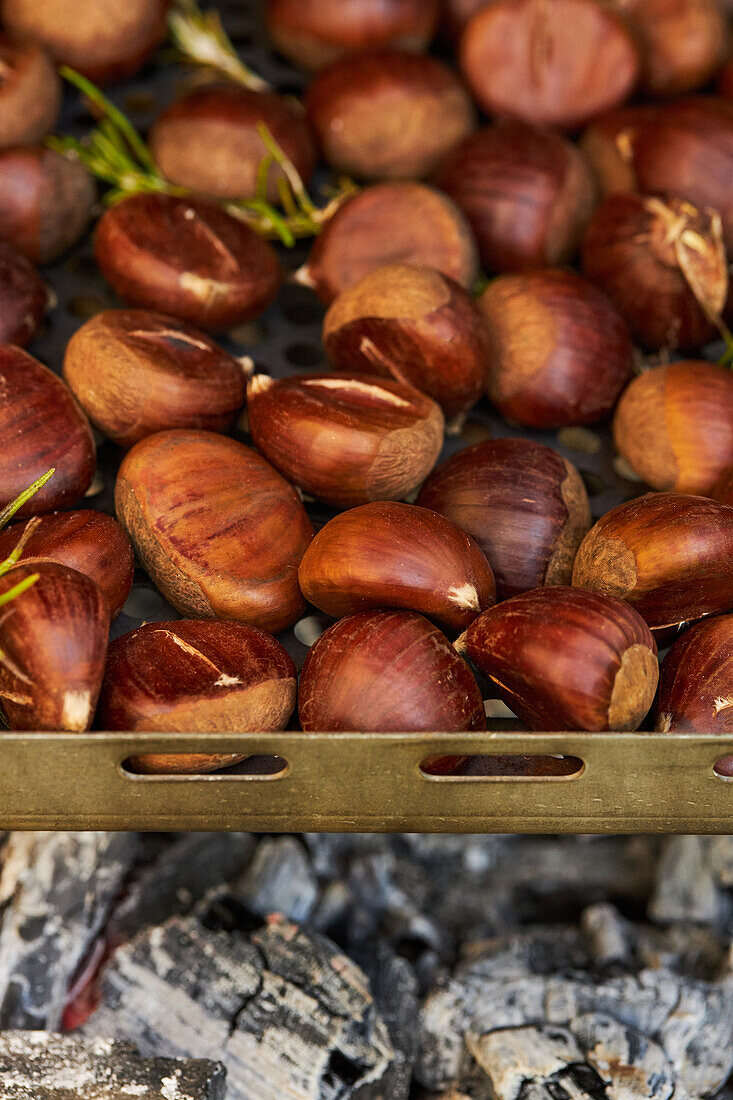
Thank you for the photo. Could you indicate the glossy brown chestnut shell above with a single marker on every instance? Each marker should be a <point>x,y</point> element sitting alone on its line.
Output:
<point>53,644</point>
<point>723,488</point>
<point>392,555</point>
<point>23,297</point>
<point>346,439</point>
<point>696,682</point>
<point>608,147</point>
<point>197,676</point>
<point>387,671</point>
<point>41,427</point>
<point>30,93</point>
<point>415,325</point>
<point>135,373</point>
<point>527,193</point>
<point>188,258</point>
<point>225,543</point>
<point>524,504</point>
<point>669,555</point>
<point>560,352</point>
<point>674,426</point>
<point>565,659</point>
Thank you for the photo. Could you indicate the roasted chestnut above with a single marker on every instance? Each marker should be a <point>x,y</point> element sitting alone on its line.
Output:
<point>669,555</point>
<point>313,33</point>
<point>23,297</point>
<point>225,542</point>
<point>696,682</point>
<point>415,325</point>
<point>30,93</point>
<point>527,193</point>
<point>560,353</point>
<point>387,671</point>
<point>208,140</point>
<point>135,373</point>
<point>662,264</point>
<point>608,147</point>
<point>42,428</point>
<point>723,489</point>
<point>89,542</point>
<point>396,555</point>
<point>674,426</point>
<point>186,257</point>
<point>388,114</point>
<point>524,504</point>
<point>200,677</point>
<point>565,659</point>
<point>346,439</point>
<point>403,222</point>
<point>53,647</point>
<point>550,62</point>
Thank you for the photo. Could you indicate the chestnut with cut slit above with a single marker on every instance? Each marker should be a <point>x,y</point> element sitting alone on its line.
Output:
<point>696,681</point>
<point>23,297</point>
<point>30,91</point>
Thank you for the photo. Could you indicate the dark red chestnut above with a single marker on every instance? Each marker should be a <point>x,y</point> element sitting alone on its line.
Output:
<point>53,644</point>
<point>674,426</point>
<point>405,223</point>
<point>549,62</point>
<point>723,489</point>
<point>527,193</point>
<point>135,373</point>
<point>346,439</point>
<point>724,86</point>
<point>415,325</point>
<point>198,677</point>
<point>456,14</point>
<point>560,353</point>
<point>223,542</point>
<point>89,542</point>
<point>696,682</point>
<point>313,33</point>
<point>387,671</point>
<point>388,114</point>
<point>41,427</point>
<point>208,140</point>
<point>524,504</point>
<point>396,555</point>
<point>30,93</point>
<point>564,659</point>
<point>186,257</point>
<point>669,555</point>
<point>23,297</point>
<point>608,147</point>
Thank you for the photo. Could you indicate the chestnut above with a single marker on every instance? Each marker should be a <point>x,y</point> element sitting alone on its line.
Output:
<point>346,439</point>
<point>388,555</point>
<point>608,147</point>
<point>313,33</point>
<point>662,264</point>
<point>724,86</point>
<point>224,542</point>
<point>52,649</point>
<point>674,426</point>
<point>401,222</point>
<point>550,62</point>
<point>388,114</point>
<point>208,140</point>
<point>565,659</point>
<point>135,373</point>
<point>186,257</point>
<point>23,297</point>
<point>42,428</point>
<point>387,671</point>
<point>456,14</point>
<point>560,353</point>
<point>415,325</point>
<point>669,555</point>
<point>696,680</point>
<point>723,488</point>
<point>524,504</point>
<point>30,94</point>
<point>111,42</point>
<point>527,193</point>
<point>202,677</point>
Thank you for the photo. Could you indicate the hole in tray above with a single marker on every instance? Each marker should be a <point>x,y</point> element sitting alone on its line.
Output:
<point>593,483</point>
<point>503,766</point>
<point>193,766</point>
<point>723,768</point>
<point>579,439</point>
<point>300,305</point>
<point>303,355</point>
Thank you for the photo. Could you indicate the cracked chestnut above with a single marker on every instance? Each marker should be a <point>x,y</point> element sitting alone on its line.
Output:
<point>30,93</point>
<point>565,659</point>
<point>23,297</point>
<point>696,681</point>
<point>345,438</point>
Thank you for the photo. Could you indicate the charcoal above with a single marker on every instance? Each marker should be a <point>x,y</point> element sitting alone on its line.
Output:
<point>279,880</point>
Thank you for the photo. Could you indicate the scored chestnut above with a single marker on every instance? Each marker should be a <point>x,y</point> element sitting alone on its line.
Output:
<point>225,542</point>
<point>674,425</point>
<point>135,372</point>
<point>388,555</point>
<point>415,325</point>
<point>387,671</point>
<point>696,681</point>
<point>197,676</point>
<point>608,147</point>
<point>346,439</point>
<point>524,504</point>
<point>723,488</point>
<point>669,555</point>
<point>23,297</point>
<point>565,659</point>
<point>30,94</point>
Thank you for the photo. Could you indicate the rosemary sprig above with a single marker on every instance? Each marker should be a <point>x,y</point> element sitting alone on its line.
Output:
<point>201,38</point>
<point>15,505</point>
<point>12,559</point>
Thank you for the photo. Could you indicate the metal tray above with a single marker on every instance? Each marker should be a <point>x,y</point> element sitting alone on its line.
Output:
<point>636,782</point>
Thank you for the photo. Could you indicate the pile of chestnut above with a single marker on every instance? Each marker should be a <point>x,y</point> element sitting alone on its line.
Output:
<point>593,133</point>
